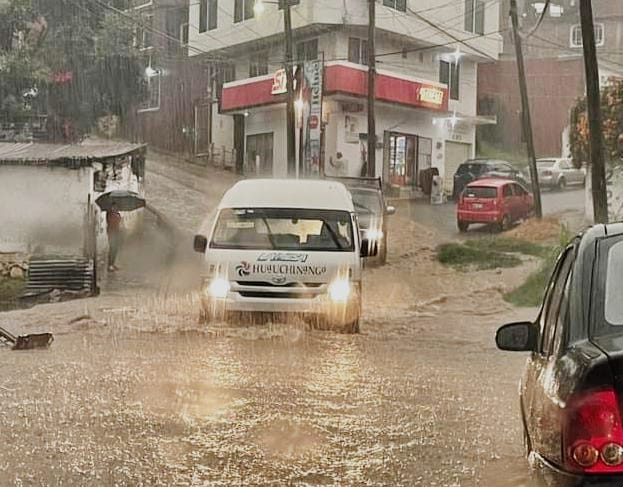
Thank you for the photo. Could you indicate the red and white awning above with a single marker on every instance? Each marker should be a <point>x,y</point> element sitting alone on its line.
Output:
<point>340,78</point>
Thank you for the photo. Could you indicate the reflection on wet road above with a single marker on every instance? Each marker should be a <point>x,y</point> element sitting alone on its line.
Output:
<point>299,408</point>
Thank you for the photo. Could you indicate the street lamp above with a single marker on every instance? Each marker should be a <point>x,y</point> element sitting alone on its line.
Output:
<point>290,114</point>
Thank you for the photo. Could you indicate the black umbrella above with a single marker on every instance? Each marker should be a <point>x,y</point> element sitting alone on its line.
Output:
<point>125,200</point>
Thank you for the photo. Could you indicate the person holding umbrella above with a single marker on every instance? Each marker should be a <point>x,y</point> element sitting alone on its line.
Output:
<point>113,229</point>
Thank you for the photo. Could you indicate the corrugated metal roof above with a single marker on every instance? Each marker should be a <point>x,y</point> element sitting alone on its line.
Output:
<point>41,154</point>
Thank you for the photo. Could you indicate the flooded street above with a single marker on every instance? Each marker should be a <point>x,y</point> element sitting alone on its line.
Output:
<point>135,392</point>
<point>398,405</point>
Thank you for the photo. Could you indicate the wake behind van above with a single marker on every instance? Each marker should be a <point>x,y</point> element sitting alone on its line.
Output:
<point>284,247</point>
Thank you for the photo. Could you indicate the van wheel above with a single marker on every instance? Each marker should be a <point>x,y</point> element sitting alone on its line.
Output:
<point>463,226</point>
<point>352,328</point>
<point>205,317</point>
<point>562,184</point>
<point>383,253</point>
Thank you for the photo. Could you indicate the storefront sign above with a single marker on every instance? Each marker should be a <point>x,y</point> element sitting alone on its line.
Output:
<point>429,94</point>
<point>280,82</point>
<point>313,80</point>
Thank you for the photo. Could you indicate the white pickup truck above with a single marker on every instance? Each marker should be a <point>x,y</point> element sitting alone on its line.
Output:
<point>285,247</point>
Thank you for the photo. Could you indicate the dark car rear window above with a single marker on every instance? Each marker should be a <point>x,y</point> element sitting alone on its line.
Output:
<point>480,192</point>
<point>475,168</point>
<point>614,286</point>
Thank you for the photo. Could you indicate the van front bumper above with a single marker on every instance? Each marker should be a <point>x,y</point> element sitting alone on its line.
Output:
<point>319,305</point>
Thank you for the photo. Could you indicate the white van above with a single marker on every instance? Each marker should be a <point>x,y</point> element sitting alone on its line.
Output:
<point>285,247</point>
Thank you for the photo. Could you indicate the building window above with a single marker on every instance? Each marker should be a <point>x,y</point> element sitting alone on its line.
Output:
<point>396,4</point>
<point>184,32</point>
<point>475,16</point>
<point>290,2</point>
<point>140,3</point>
<point>576,35</point>
<point>212,14</point>
<point>307,50</point>
<point>358,51</point>
<point>152,98</point>
<point>258,64</point>
<point>142,36</point>
<point>449,75</point>
<point>224,73</point>
<point>203,15</point>
<point>243,10</point>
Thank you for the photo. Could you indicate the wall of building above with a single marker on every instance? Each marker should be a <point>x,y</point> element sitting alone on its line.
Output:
<point>49,207</point>
<point>271,120</point>
<point>353,12</point>
<point>553,87</point>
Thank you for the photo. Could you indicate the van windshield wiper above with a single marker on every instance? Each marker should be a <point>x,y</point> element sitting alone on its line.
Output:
<point>334,236</point>
<point>270,235</point>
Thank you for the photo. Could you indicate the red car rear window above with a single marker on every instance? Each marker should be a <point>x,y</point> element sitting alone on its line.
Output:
<point>480,192</point>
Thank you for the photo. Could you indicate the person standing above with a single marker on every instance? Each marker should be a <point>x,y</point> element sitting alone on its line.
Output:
<point>113,229</point>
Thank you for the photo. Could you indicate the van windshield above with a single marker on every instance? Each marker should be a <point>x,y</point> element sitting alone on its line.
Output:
<point>283,229</point>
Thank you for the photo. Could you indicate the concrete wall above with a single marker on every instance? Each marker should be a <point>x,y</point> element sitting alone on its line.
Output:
<point>615,195</point>
<point>43,209</point>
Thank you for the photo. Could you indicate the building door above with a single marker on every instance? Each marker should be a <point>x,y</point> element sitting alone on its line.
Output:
<point>456,154</point>
<point>424,156</point>
<point>402,159</point>
<point>259,145</point>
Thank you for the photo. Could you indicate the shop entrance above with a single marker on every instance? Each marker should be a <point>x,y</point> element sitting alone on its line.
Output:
<point>408,155</point>
<point>259,150</point>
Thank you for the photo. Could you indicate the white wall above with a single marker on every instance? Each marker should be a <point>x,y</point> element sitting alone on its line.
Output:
<point>43,209</point>
<point>353,12</point>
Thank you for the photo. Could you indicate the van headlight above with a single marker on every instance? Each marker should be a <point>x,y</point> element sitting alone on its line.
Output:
<point>218,288</point>
<point>339,290</point>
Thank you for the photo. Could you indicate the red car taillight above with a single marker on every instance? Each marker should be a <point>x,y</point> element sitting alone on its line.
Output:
<point>593,433</point>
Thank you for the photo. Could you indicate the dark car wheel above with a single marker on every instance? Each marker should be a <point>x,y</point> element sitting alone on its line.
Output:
<point>562,184</point>
<point>383,252</point>
<point>505,224</point>
<point>463,226</point>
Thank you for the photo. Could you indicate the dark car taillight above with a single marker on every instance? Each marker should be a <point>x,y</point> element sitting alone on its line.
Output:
<point>593,433</point>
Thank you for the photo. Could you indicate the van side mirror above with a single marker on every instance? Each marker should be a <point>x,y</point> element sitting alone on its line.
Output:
<point>517,337</point>
<point>390,210</point>
<point>369,248</point>
<point>200,244</point>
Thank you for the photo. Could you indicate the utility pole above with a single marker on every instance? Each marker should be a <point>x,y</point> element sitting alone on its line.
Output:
<point>526,121</point>
<point>290,114</point>
<point>371,88</point>
<point>598,168</point>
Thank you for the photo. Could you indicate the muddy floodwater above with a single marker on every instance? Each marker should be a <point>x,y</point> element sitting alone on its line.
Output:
<point>391,407</point>
<point>135,392</point>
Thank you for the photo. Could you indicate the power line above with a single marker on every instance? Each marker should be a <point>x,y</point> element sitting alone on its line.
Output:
<point>567,49</point>
<point>151,29</point>
<point>451,36</point>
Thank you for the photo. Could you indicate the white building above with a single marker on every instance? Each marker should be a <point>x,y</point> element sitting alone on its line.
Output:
<point>426,87</point>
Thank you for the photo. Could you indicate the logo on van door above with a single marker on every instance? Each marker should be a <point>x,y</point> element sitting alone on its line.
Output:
<point>243,269</point>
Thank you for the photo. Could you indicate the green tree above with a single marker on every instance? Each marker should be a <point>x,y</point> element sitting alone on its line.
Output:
<point>83,64</point>
<point>612,133</point>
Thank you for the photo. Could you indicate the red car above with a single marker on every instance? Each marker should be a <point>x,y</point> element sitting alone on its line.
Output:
<point>496,201</point>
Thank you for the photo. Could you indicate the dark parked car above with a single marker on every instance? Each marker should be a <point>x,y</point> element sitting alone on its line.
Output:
<point>571,392</point>
<point>372,210</point>
<point>473,169</point>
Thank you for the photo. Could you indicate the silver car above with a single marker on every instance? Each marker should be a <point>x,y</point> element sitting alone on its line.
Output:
<point>559,173</point>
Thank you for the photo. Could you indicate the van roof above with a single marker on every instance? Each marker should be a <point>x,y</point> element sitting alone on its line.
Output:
<point>288,193</point>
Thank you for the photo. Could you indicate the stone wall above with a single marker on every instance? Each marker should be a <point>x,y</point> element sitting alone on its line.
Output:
<point>13,266</point>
